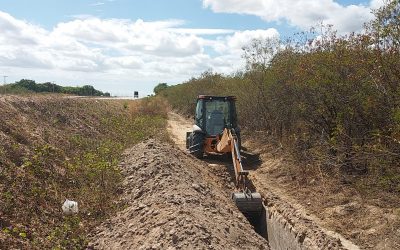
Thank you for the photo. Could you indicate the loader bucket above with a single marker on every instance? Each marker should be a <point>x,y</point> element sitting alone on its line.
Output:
<point>250,204</point>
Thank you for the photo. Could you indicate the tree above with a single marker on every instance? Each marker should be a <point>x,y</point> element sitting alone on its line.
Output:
<point>386,25</point>
<point>160,87</point>
<point>27,84</point>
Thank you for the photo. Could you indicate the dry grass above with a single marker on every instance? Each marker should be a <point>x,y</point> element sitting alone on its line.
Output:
<point>54,148</point>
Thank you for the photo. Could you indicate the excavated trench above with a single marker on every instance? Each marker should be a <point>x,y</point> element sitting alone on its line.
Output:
<point>283,224</point>
<point>288,226</point>
<point>171,200</point>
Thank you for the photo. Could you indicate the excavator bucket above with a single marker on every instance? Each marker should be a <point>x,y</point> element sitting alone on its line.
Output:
<point>250,204</point>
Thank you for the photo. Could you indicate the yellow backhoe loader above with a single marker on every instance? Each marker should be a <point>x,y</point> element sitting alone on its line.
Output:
<point>216,132</point>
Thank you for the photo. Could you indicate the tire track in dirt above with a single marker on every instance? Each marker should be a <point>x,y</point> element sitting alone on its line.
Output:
<point>177,128</point>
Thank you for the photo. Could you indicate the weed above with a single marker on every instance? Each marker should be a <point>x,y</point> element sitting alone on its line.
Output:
<point>125,105</point>
<point>69,235</point>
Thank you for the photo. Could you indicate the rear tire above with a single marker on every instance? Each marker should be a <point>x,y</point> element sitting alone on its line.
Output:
<point>196,146</point>
<point>188,138</point>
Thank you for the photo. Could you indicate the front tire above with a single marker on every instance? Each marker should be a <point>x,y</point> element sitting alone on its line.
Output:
<point>196,145</point>
<point>188,138</point>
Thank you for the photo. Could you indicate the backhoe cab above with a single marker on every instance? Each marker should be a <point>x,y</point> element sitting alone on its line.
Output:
<point>213,115</point>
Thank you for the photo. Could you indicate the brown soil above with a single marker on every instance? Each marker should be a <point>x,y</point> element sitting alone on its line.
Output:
<point>173,202</point>
<point>177,128</point>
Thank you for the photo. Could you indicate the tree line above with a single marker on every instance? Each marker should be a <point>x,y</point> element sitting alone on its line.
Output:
<point>333,100</point>
<point>30,86</point>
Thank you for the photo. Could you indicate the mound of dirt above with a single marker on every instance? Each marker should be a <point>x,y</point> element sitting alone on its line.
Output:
<point>173,202</point>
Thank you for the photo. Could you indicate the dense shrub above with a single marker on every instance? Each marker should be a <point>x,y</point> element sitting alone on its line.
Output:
<point>25,86</point>
<point>333,100</point>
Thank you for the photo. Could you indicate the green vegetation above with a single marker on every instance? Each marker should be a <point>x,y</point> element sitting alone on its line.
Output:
<point>333,101</point>
<point>26,86</point>
<point>160,87</point>
<point>55,148</point>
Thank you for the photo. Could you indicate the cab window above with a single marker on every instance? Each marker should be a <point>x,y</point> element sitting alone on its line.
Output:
<point>217,116</point>
<point>199,113</point>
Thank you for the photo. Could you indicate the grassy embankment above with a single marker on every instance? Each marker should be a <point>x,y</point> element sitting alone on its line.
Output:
<point>53,148</point>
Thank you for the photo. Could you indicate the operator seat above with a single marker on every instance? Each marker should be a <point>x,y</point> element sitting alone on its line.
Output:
<point>215,122</point>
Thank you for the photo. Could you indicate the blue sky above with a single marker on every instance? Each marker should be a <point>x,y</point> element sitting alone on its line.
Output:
<point>121,45</point>
<point>48,13</point>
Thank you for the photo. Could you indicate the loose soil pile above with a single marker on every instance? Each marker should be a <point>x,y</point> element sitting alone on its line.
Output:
<point>173,202</point>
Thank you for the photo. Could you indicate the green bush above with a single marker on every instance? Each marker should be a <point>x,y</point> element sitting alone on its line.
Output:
<point>333,101</point>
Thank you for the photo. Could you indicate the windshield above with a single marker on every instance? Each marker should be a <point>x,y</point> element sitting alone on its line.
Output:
<point>217,116</point>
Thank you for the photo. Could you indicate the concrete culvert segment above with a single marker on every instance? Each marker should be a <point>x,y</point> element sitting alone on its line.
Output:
<point>173,202</point>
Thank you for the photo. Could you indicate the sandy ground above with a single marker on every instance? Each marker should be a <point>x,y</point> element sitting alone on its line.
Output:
<point>177,128</point>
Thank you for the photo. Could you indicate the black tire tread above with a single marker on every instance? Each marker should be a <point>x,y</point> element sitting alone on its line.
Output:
<point>196,147</point>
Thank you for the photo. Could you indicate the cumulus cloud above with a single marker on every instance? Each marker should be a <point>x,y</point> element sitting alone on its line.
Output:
<point>230,47</point>
<point>19,32</point>
<point>201,31</point>
<point>300,13</point>
<point>97,4</point>
<point>91,49</point>
<point>242,38</point>
<point>375,4</point>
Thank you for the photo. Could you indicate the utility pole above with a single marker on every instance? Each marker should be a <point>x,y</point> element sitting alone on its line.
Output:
<point>5,82</point>
<point>53,86</point>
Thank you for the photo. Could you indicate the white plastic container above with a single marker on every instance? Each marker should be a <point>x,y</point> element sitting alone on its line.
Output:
<point>70,207</point>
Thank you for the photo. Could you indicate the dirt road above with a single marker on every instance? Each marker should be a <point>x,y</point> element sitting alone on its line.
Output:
<point>177,128</point>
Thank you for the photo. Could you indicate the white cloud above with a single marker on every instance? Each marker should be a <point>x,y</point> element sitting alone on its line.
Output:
<point>91,50</point>
<point>201,31</point>
<point>375,4</point>
<point>233,44</point>
<point>300,13</point>
<point>242,38</point>
<point>15,31</point>
<point>97,4</point>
